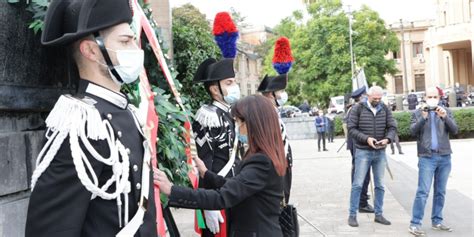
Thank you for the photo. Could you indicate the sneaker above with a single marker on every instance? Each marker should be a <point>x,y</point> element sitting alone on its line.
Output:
<point>416,231</point>
<point>380,219</point>
<point>353,221</point>
<point>441,227</point>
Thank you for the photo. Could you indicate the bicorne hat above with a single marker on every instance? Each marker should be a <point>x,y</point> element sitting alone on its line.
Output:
<point>69,20</point>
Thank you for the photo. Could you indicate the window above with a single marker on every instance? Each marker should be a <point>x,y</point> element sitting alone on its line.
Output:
<point>419,82</point>
<point>417,49</point>
<point>249,89</point>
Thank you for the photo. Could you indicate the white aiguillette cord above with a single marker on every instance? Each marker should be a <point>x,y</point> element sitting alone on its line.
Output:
<point>228,166</point>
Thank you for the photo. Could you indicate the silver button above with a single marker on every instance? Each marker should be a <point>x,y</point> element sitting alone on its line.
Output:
<point>109,116</point>
<point>119,133</point>
<point>135,168</point>
<point>139,186</point>
<point>128,151</point>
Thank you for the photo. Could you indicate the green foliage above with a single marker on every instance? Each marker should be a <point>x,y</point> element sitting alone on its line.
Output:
<point>38,8</point>
<point>193,43</point>
<point>170,143</point>
<point>403,120</point>
<point>320,46</point>
<point>464,119</point>
<point>338,126</point>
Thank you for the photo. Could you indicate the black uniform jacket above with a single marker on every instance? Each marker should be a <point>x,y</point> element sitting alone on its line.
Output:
<point>61,206</point>
<point>214,130</point>
<point>254,196</point>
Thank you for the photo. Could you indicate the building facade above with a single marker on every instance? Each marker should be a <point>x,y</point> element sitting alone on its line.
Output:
<point>450,42</point>
<point>162,16</point>
<point>248,67</point>
<point>413,42</point>
<point>249,64</point>
<point>438,52</point>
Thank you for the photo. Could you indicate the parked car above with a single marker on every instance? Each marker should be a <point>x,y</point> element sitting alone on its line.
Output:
<point>336,105</point>
<point>390,101</point>
<point>290,111</point>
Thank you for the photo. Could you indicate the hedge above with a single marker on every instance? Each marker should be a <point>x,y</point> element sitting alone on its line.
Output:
<point>464,119</point>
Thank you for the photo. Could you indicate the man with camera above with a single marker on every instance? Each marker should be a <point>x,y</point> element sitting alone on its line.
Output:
<point>372,127</point>
<point>431,125</point>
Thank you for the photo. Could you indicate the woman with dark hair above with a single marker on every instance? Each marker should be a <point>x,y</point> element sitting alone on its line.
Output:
<point>255,194</point>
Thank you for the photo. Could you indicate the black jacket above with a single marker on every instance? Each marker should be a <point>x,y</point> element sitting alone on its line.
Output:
<point>61,206</point>
<point>214,130</point>
<point>254,197</point>
<point>362,124</point>
<point>421,129</point>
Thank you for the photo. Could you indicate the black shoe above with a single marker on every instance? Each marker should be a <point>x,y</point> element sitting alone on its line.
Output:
<point>325,149</point>
<point>366,209</point>
<point>380,219</point>
<point>401,153</point>
<point>353,221</point>
<point>393,153</point>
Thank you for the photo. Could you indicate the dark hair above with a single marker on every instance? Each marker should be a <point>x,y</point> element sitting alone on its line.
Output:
<point>263,127</point>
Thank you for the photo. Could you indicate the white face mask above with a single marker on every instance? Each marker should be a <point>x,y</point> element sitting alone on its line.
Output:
<point>233,94</point>
<point>130,65</point>
<point>283,99</point>
<point>432,102</point>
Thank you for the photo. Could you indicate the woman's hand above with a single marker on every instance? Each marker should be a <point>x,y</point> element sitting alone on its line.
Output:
<point>200,166</point>
<point>160,179</point>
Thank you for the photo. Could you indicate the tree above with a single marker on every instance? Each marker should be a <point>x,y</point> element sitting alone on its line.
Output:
<point>193,43</point>
<point>320,46</point>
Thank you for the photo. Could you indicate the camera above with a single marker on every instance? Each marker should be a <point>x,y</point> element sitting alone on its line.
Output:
<point>428,108</point>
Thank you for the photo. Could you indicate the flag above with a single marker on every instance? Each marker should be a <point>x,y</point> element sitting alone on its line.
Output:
<point>359,80</point>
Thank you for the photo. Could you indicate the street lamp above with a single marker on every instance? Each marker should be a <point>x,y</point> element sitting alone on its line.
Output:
<point>405,80</point>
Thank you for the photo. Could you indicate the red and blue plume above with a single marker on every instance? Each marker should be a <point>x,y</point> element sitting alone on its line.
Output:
<point>226,34</point>
<point>282,58</point>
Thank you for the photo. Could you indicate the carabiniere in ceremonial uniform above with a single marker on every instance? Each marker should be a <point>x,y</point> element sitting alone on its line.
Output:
<point>93,176</point>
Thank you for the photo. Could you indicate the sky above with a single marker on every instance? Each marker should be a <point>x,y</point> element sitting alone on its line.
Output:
<point>270,12</point>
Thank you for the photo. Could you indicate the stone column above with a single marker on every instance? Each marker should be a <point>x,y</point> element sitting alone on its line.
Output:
<point>31,80</point>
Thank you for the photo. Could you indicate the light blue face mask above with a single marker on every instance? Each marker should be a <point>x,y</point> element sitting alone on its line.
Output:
<point>283,99</point>
<point>233,94</point>
<point>243,139</point>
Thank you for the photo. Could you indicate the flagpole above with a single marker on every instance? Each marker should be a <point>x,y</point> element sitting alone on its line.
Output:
<point>350,40</point>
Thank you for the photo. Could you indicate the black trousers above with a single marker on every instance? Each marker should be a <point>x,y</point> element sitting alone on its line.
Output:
<point>364,194</point>
<point>397,142</point>
<point>331,135</point>
<point>321,136</point>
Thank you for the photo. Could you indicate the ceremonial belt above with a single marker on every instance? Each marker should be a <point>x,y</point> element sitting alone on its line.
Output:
<point>137,220</point>
<point>230,163</point>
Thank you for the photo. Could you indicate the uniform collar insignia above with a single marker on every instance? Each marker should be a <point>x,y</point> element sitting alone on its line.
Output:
<point>117,99</point>
<point>221,105</point>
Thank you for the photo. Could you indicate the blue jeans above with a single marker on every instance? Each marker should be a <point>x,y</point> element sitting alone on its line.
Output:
<point>439,167</point>
<point>363,160</point>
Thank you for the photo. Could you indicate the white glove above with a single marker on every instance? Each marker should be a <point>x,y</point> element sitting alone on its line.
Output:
<point>213,218</point>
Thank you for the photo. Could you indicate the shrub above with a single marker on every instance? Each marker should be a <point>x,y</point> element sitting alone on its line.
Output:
<point>464,119</point>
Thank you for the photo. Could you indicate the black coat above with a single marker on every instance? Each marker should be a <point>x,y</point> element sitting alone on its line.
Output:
<point>61,206</point>
<point>214,142</point>
<point>363,124</point>
<point>254,197</point>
